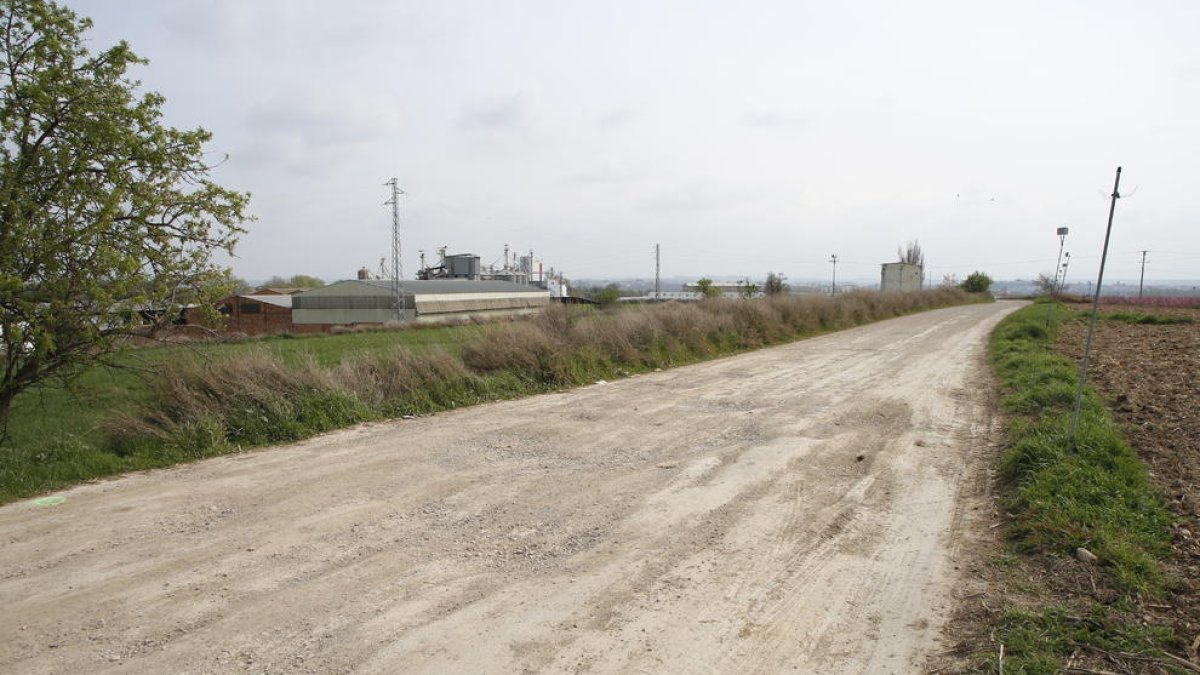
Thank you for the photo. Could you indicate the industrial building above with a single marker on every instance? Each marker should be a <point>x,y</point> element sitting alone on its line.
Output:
<point>523,269</point>
<point>729,290</point>
<point>258,313</point>
<point>900,276</point>
<point>371,301</point>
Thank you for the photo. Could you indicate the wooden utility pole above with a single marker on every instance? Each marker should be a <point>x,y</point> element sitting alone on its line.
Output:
<point>1142,279</point>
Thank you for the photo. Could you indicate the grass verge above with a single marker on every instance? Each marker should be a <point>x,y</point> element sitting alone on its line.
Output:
<point>1094,494</point>
<point>216,399</point>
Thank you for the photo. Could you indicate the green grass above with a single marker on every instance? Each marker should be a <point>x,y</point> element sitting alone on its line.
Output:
<point>1140,319</point>
<point>1094,493</point>
<point>329,350</point>
<point>1040,642</point>
<point>170,405</point>
<point>58,436</point>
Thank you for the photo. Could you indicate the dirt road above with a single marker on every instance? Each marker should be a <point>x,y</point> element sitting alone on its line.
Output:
<point>799,508</point>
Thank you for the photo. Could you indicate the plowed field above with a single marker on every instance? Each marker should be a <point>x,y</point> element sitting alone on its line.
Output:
<point>1150,374</point>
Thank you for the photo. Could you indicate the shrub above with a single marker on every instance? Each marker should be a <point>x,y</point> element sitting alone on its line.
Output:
<point>976,282</point>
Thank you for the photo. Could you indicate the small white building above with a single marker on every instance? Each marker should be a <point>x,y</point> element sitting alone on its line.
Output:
<point>902,277</point>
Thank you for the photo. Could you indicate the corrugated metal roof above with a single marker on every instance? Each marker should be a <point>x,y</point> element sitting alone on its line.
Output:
<point>429,287</point>
<point>277,300</point>
<point>281,290</point>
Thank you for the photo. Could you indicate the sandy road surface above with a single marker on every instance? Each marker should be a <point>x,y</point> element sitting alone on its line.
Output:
<point>794,509</point>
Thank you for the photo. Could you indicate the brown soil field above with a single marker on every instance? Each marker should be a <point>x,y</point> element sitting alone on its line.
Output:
<point>1150,375</point>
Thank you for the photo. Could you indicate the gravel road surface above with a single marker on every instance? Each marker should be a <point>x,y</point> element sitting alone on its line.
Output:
<point>801,508</point>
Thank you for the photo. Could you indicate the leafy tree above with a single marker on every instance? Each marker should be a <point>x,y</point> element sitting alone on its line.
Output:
<point>296,281</point>
<point>238,285</point>
<point>748,290</point>
<point>775,284</point>
<point>707,289</point>
<point>306,281</point>
<point>107,216</point>
<point>976,282</point>
<point>607,296</point>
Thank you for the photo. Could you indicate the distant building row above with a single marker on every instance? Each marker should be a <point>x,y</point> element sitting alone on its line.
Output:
<point>370,301</point>
<point>456,292</point>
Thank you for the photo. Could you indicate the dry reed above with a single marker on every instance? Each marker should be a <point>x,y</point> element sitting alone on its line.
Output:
<point>197,407</point>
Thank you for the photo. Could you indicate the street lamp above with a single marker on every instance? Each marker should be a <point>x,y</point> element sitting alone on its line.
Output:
<point>1062,238</point>
<point>833,259</point>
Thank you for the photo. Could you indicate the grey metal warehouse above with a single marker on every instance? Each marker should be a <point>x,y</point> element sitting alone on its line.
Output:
<point>369,301</point>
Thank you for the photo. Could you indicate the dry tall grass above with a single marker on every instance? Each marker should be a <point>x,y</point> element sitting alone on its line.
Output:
<point>198,408</point>
<point>564,344</point>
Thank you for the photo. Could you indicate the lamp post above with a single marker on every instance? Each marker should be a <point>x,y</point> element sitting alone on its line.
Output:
<point>833,259</point>
<point>1062,239</point>
<point>1054,287</point>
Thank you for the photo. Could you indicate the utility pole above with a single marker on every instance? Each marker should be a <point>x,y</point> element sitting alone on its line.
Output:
<point>1087,348</point>
<point>657,271</point>
<point>397,299</point>
<point>1142,280</point>
<point>833,259</point>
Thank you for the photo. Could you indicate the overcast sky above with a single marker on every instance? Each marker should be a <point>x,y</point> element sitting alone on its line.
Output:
<point>744,137</point>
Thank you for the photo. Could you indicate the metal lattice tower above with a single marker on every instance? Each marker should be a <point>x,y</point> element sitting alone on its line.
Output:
<point>397,299</point>
<point>657,271</point>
